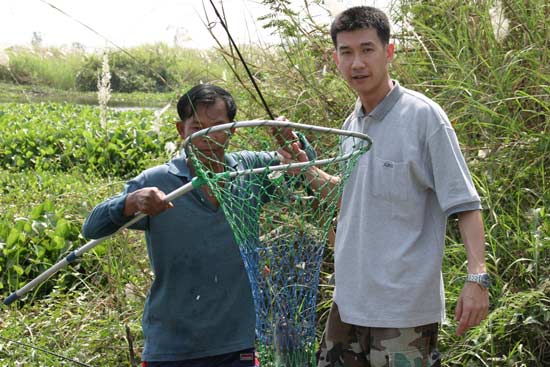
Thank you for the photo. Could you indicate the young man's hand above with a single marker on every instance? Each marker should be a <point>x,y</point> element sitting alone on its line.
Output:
<point>472,307</point>
<point>149,200</point>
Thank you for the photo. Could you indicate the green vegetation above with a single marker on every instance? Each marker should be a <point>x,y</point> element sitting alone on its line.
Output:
<point>49,142</point>
<point>150,68</point>
<point>44,67</point>
<point>57,162</point>
<point>18,93</point>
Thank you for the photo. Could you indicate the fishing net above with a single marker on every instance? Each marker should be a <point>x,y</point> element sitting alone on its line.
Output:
<point>280,222</point>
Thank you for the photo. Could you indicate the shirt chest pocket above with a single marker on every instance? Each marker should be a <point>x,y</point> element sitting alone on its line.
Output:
<point>390,180</point>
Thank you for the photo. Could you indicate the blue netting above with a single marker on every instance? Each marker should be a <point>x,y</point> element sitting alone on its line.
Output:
<point>284,274</point>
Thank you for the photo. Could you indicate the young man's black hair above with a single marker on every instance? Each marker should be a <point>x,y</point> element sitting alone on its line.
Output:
<point>361,17</point>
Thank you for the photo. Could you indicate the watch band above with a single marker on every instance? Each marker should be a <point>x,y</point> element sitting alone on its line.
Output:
<point>481,279</point>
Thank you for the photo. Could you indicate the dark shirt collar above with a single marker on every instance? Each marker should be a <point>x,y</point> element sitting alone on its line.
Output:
<point>385,105</point>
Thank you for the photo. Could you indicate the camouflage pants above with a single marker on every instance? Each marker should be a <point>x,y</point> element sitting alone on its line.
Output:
<point>346,345</point>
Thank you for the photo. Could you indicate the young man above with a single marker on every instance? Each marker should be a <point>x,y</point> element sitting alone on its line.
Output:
<point>199,310</point>
<point>389,295</point>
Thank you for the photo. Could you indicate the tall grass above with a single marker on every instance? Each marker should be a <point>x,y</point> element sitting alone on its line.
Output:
<point>147,68</point>
<point>51,67</point>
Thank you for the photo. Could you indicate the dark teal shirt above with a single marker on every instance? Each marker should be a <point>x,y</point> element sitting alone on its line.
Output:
<point>199,303</point>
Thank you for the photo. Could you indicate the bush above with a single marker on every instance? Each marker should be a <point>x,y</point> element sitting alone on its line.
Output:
<point>50,67</point>
<point>31,244</point>
<point>152,68</point>
<point>5,75</point>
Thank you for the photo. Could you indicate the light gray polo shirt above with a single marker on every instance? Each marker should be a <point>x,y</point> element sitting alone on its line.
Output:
<point>392,223</point>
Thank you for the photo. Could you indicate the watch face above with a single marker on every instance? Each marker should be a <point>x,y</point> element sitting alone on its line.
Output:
<point>485,281</point>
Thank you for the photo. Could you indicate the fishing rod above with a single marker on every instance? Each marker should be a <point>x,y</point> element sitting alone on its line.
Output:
<point>250,76</point>
<point>276,133</point>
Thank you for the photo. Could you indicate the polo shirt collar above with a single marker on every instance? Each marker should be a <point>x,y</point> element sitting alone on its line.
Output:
<point>178,166</point>
<point>385,105</point>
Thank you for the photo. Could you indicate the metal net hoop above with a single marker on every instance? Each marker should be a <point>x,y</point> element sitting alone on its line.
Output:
<point>280,221</point>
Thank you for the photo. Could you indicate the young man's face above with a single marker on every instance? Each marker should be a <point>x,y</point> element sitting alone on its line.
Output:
<point>206,116</point>
<point>363,60</point>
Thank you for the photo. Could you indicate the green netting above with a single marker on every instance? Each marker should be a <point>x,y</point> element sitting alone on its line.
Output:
<point>279,220</point>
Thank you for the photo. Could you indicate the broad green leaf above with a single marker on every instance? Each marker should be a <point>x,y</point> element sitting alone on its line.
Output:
<point>12,238</point>
<point>18,269</point>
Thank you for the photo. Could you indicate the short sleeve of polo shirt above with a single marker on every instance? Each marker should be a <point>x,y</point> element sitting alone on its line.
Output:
<point>453,184</point>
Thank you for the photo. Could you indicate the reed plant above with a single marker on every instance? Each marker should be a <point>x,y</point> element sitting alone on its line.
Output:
<point>104,89</point>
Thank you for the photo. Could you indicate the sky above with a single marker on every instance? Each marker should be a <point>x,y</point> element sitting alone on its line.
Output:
<point>129,23</point>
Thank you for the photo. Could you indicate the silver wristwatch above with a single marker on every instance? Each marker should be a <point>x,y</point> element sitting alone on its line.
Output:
<point>482,279</point>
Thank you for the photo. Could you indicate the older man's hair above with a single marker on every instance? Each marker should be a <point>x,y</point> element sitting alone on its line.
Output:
<point>205,94</point>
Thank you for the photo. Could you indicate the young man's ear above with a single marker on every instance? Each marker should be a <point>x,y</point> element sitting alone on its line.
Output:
<point>390,51</point>
<point>335,57</point>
